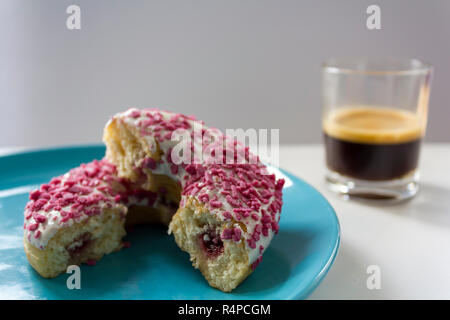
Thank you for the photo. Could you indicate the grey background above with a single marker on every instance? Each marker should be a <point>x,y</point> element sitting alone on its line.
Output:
<point>233,63</point>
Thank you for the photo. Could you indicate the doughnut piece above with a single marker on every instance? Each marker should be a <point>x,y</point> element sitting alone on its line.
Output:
<point>229,205</point>
<point>80,216</point>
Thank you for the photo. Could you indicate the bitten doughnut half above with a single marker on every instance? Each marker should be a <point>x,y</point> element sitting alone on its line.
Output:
<point>80,216</point>
<point>229,205</point>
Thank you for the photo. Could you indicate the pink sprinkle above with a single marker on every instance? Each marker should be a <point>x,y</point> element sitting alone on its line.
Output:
<point>191,169</point>
<point>34,195</point>
<point>55,181</point>
<point>203,197</point>
<point>255,217</point>
<point>251,243</point>
<point>69,183</point>
<point>275,227</point>
<point>227,215</point>
<point>236,234</point>
<point>40,218</point>
<point>215,204</point>
<point>232,201</point>
<point>39,204</point>
<point>279,185</point>
<point>266,194</point>
<point>256,263</point>
<point>208,177</point>
<point>33,226</point>
<point>46,196</point>
<point>135,114</point>
<point>234,192</point>
<point>37,234</point>
<point>227,234</point>
<point>256,183</point>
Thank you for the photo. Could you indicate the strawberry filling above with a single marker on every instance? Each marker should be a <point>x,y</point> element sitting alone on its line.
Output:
<point>211,244</point>
<point>79,245</point>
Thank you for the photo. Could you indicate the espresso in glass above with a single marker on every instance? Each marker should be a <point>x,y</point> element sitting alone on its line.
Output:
<point>374,118</point>
<point>372,143</point>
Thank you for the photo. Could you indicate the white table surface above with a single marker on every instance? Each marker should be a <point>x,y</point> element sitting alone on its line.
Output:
<point>409,242</point>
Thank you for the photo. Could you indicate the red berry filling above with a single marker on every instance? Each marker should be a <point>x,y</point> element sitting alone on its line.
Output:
<point>211,244</point>
<point>79,245</point>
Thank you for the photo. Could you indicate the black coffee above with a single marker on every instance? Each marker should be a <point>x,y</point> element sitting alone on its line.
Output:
<point>372,143</point>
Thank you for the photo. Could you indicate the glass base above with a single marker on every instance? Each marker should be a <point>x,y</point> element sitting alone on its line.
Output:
<point>390,191</point>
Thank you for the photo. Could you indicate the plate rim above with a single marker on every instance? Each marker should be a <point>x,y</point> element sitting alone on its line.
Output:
<point>327,266</point>
<point>23,151</point>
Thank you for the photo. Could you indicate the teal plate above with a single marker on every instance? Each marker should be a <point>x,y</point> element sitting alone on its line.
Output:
<point>153,267</point>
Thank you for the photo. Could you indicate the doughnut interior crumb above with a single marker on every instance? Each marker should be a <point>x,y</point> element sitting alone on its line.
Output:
<point>84,242</point>
<point>224,271</point>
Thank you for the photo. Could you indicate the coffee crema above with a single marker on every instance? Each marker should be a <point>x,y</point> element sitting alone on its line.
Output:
<point>372,143</point>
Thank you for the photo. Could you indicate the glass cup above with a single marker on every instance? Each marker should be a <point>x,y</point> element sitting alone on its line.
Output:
<point>374,120</point>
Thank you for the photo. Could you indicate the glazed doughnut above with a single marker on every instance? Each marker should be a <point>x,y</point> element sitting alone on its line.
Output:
<point>80,216</point>
<point>228,210</point>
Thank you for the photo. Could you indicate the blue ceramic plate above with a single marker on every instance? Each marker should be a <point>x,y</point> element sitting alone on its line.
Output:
<point>153,267</point>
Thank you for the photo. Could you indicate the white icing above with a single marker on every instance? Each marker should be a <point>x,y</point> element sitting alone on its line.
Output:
<point>164,169</point>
